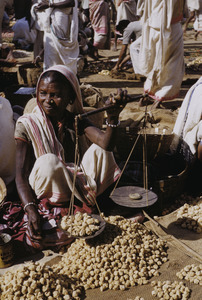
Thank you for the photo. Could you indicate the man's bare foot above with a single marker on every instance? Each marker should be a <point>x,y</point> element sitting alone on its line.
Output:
<point>156,104</point>
<point>145,101</point>
<point>114,48</point>
<point>10,58</point>
<point>115,69</point>
<point>196,35</point>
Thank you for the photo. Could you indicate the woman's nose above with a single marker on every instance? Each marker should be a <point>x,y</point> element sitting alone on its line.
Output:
<point>49,99</point>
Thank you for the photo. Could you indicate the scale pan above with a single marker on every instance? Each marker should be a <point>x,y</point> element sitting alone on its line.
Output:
<point>121,196</point>
<point>86,237</point>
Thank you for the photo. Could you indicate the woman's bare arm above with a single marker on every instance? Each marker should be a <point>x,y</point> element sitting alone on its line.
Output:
<point>26,194</point>
<point>107,139</point>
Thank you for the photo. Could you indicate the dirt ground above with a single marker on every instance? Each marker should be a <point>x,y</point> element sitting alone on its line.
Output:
<point>13,78</point>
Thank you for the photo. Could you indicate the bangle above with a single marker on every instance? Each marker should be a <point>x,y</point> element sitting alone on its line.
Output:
<point>113,125</point>
<point>30,203</point>
<point>38,56</point>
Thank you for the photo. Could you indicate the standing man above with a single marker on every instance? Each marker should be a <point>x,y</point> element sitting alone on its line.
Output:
<point>161,56</point>
<point>60,33</point>
<point>130,31</point>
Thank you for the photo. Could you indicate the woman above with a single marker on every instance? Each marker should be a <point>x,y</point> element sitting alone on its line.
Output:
<point>45,146</point>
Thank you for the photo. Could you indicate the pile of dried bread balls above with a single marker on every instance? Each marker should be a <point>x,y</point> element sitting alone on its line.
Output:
<point>36,281</point>
<point>190,217</point>
<point>124,255</point>
<point>80,224</point>
<point>192,273</point>
<point>170,290</point>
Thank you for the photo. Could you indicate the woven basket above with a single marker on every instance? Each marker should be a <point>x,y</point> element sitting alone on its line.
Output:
<point>169,188</point>
<point>157,144</point>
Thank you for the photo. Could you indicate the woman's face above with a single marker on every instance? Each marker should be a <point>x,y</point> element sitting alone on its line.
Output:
<point>53,97</point>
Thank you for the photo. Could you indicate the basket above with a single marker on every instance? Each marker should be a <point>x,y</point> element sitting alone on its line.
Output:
<point>170,187</point>
<point>157,144</point>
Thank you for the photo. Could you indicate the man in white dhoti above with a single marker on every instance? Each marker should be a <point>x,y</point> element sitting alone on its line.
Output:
<point>60,33</point>
<point>161,56</point>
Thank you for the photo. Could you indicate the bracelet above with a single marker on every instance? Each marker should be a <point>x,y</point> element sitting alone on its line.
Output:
<point>113,125</point>
<point>38,56</point>
<point>30,203</point>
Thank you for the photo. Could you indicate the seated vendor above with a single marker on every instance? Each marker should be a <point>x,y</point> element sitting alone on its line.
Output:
<point>45,159</point>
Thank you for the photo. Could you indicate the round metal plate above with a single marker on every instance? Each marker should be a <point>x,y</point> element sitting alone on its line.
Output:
<point>121,196</point>
<point>86,237</point>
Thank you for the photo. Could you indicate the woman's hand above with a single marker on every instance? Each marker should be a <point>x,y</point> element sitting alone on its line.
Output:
<point>118,101</point>
<point>34,223</point>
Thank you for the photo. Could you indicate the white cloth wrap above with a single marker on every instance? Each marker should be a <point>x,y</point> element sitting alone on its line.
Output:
<point>192,132</point>
<point>52,179</point>
<point>7,142</point>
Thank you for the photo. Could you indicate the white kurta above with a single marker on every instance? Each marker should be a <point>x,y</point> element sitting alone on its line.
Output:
<point>189,120</point>
<point>126,11</point>
<point>193,4</point>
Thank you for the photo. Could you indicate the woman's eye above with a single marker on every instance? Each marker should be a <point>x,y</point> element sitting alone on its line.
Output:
<point>57,96</point>
<point>42,94</point>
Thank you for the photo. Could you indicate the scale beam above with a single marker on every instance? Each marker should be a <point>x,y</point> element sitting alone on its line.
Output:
<point>129,99</point>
